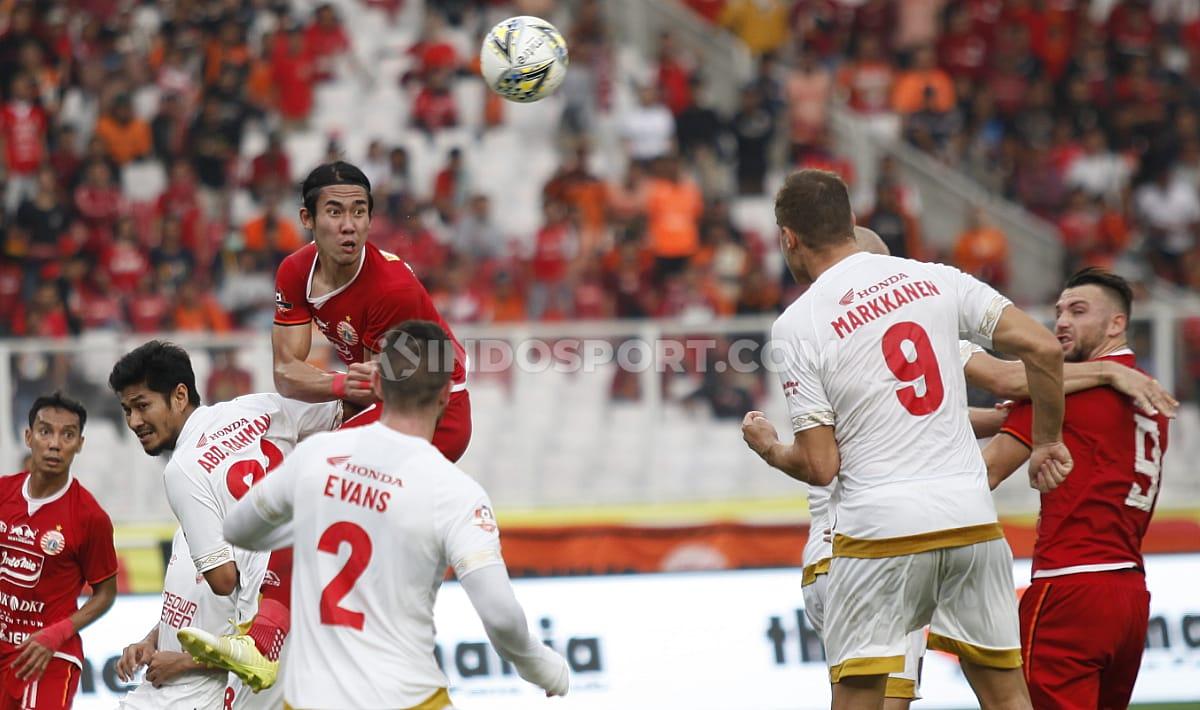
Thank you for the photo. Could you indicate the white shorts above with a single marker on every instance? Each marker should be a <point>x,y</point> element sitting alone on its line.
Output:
<point>905,684</point>
<point>965,594</point>
<point>203,692</point>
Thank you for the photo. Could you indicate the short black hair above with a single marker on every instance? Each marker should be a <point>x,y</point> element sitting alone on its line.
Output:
<point>1107,280</point>
<point>416,360</point>
<point>58,400</point>
<point>338,172</point>
<point>160,365</point>
<point>815,204</point>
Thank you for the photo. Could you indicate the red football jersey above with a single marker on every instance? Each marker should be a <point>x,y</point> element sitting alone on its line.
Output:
<point>1096,519</point>
<point>49,548</point>
<point>384,293</point>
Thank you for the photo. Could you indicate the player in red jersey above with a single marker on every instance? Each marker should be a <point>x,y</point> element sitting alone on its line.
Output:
<point>354,292</point>
<point>1087,561</point>
<point>55,538</point>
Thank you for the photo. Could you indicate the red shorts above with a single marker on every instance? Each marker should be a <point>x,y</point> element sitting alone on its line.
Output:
<point>1082,637</point>
<point>55,690</point>
<point>453,430</point>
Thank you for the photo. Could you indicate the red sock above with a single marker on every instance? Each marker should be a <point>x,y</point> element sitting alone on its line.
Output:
<point>270,628</point>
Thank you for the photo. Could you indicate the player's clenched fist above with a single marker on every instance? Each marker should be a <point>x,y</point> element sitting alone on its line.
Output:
<point>134,657</point>
<point>1049,465</point>
<point>758,432</point>
<point>358,382</point>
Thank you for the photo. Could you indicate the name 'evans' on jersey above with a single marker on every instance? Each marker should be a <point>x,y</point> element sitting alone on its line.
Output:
<point>888,300</point>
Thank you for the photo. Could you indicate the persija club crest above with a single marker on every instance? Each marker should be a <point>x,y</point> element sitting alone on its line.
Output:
<point>53,542</point>
<point>347,333</point>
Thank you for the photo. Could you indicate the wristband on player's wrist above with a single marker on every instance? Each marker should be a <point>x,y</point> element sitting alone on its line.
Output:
<point>339,384</point>
<point>56,634</point>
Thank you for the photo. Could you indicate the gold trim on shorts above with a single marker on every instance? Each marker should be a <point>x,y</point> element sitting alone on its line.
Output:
<point>440,700</point>
<point>901,688</point>
<point>815,570</point>
<point>1003,658</point>
<point>866,666</point>
<point>845,546</point>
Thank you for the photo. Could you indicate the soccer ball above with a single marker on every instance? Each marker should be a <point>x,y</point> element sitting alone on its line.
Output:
<point>523,59</point>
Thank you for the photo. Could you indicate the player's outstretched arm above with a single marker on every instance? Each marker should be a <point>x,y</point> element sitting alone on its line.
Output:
<point>1006,378</point>
<point>986,423</point>
<point>1003,455</point>
<point>262,519</point>
<point>491,593</point>
<point>296,378</point>
<point>1018,334</point>
<point>812,457</point>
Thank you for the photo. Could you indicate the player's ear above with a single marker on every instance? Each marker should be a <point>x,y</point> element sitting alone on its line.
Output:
<point>1117,324</point>
<point>444,396</point>
<point>377,384</point>
<point>305,218</point>
<point>179,396</point>
<point>29,438</point>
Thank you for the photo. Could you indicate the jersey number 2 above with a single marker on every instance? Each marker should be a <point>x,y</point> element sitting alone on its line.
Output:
<point>916,366</point>
<point>332,612</point>
<point>1147,460</point>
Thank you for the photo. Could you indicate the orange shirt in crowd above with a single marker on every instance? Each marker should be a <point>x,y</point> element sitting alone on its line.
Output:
<point>908,95</point>
<point>674,210</point>
<point>287,237</point>
<point>124,142</point>
<point>983,253</point>
<point>202,315</point>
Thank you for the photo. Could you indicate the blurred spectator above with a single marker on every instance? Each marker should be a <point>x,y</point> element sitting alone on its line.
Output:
<point>213,145</point>
<point>23,129</point>
<point>65,158</point>
<point>398,187</point>
<point>125,136</point>
<point>12,280</point>
<point>808,89</point>
<point>247,292</point>
<point>148,308</point>
<point>865,82</point>
<point>44,218</point>
<point>326,40</point>
<point>98,202</point>
<point>556,245</point>
<point>580,91</point>
<point>451,185</point>
<point>909,92</point>
<point>627,275</point>
<point>506,304</point>
<point>457,301</point>
<point>754,129</point>
<point>375,164</point>
<point>169,128</point>
<point>585,195</point>
<point>892,222</point>
<point>962,50</point>
<point>982,250</point>
<point>758,293</point>
<point>272,168</point>
<point>1098,170</point>
<point>227,380</point>
<point>931,129</point>
<point>293,69</point>
<point>674,74</point>
<point>435,107</point>
<point>44,315</point>
<point>197,310</point>
<point>172,262</point>
<point>699,127</point>
<point>673,206</point>
<point>1169,210</point>
<point>476,235</point>
<point>648,128</point>
<point>761,24</point>
<point>271,233</point>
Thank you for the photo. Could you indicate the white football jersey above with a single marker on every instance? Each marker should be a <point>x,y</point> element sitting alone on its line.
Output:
<point>817,548</point>
<point>221,451</point>
<point>377,517</point>
<point>872,349</point>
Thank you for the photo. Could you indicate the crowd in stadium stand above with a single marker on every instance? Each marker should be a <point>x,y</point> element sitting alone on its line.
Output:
<point>1080,111</point>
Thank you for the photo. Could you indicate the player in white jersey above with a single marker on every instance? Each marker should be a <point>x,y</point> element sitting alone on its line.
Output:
<point>375,515</point>
<point>1000,377</point>
<point>878,402</point>
<point>217,452</point>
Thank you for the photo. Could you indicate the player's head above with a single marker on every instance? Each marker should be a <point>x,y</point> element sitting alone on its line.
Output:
<point>870,241</point>
<point>1092,313</point>
<point>337,208</point>
<point>416,360</point>
<point>157,388</point>
<point>55,433</point>
<point>813,212</point>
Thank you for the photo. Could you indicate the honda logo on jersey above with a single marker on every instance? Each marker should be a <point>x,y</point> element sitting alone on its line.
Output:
<point>847,299</point>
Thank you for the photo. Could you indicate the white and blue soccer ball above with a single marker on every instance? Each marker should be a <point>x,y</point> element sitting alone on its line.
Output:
<point>523,59</point>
